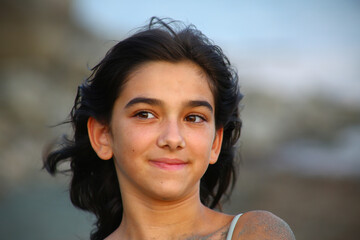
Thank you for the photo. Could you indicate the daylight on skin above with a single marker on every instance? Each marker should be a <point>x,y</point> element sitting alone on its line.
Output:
<point>162,136</point>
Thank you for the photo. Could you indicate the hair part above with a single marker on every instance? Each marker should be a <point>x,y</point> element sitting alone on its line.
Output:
<point>94,186</point>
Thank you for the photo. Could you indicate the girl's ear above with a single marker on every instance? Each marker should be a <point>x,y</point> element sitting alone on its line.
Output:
<point>100,138</point>
<point>216,147</point>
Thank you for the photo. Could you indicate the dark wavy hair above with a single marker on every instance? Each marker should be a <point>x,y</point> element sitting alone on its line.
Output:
<point>94,186</point>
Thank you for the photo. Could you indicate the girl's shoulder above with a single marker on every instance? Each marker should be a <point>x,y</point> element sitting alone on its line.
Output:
<point>261,225</point>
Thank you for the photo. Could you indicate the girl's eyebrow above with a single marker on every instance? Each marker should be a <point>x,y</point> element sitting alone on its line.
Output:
<point>157,102</point>
<point>150,101</point>
<point>200,103</point>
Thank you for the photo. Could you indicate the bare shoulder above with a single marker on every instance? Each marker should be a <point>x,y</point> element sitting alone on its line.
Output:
<point>262,225</point>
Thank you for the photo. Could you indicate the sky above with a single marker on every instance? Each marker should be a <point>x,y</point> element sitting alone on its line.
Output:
<point>296,47</point>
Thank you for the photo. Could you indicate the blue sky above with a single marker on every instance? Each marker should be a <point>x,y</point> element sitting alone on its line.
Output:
<point>285,43</point>
<point>232,21</point>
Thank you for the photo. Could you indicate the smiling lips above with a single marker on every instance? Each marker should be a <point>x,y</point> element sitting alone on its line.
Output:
<point>168,163</point>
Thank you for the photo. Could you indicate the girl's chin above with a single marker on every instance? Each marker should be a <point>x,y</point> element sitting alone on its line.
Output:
<point>170,194</point>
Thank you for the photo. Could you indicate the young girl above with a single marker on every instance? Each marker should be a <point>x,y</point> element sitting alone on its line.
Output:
<point>155,127</point>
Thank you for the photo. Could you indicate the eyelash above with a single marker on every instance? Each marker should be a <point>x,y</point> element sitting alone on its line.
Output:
<point>140,115</point>
<point>202,119</point>
<point>197,118</point>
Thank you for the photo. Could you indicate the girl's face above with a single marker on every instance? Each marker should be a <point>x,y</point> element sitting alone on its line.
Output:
<point>162,133</point>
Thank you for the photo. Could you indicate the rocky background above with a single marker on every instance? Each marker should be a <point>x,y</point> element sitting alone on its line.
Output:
<point>299,158</point>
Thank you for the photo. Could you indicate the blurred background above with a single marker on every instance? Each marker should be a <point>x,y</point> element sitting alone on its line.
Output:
<point>299,67</point>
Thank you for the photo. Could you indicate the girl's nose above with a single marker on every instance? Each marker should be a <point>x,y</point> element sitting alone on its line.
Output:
<point>171,136</point>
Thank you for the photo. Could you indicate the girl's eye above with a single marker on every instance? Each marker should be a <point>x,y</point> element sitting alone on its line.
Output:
<point>144,115</point>
<point>195,118</point>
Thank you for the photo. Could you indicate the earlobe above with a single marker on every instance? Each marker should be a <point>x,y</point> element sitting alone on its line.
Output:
<point>99,138</point>
<point>216,147</point>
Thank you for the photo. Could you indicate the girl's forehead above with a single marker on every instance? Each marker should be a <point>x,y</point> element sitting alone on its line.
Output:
<point>155,70</point>
<point>151,65</point>
<point>168,80</point>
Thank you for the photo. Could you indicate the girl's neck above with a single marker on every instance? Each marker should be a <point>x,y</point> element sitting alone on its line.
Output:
<point>151,219</point>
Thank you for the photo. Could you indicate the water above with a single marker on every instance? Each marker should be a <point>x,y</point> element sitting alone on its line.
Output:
<point>41,211</point>
<point>341,158</point>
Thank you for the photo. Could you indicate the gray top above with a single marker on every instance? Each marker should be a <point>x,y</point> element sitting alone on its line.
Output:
<point>232,226</point>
